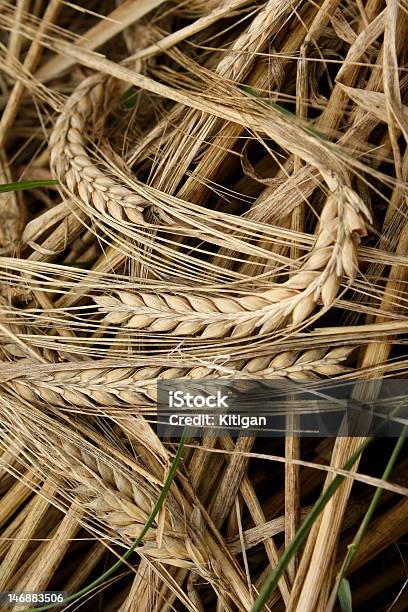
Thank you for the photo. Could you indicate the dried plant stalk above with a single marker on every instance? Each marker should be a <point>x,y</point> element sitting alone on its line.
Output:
<point>232,186</point>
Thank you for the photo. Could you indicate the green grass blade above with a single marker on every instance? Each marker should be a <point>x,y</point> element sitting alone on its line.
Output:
<point>149,523</point>
<point>345,597</point>
<point>130,97</point>
<point>27,185</point>
<point>374,502</point>
<point>353,547</point>
<point>310,130</point>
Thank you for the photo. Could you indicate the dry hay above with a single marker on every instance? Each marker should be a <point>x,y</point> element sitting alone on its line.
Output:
<point>231,204</point>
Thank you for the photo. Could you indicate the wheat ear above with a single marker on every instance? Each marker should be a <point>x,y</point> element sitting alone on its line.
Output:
<point>333,256</point>
<point>123,503</point>
<point>112,498</point>
<point>71,162</point>
<point>115,494</point>
<point>137,386</point>
<point>120,500</point>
